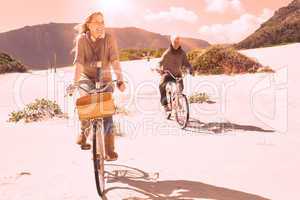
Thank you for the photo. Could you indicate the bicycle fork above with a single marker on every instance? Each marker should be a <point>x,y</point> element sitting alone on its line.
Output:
<point>97,133</point>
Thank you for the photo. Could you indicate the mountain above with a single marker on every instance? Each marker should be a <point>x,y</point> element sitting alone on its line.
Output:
<point>40,46</point>
<point>283,27</point>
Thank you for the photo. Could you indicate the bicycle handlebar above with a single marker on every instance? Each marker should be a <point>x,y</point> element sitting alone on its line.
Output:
<point>160,71</point>
<point>71,88</point>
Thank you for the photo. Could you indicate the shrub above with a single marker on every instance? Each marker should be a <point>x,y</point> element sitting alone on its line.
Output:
<point>137,54</point>
<point>9,64</point>
<point>199,98</point>
<point>40,109</point>
<point>222,60</point>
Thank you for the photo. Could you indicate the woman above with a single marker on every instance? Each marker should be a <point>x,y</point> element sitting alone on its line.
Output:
<point>97,49</point>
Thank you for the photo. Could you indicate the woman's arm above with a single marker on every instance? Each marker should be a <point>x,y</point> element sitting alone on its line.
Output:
<point>118,71</point>
<point>113,54</point>
<point>78,71</point>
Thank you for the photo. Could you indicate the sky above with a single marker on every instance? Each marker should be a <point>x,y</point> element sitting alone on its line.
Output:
<point>216,21</point>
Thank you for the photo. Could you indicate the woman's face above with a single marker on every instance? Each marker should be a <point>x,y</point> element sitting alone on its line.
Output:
<point>96,26</point>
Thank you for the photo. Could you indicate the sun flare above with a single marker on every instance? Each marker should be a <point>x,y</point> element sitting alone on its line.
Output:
<point>113,5</point>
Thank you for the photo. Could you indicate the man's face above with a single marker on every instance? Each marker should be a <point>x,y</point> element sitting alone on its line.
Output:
<point>176,43</point>
<point>96,26</point>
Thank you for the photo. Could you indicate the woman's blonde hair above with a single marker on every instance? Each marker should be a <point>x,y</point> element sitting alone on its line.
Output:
<point>83,27</point>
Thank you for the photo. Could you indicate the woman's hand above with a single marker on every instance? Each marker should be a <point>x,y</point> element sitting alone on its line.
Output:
<point>98,64</point>
<point>121,86</point>
<point>71,89</point>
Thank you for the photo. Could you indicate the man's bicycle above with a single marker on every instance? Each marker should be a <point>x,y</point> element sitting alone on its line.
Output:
<point>177,102</point>
<point>96,105</point>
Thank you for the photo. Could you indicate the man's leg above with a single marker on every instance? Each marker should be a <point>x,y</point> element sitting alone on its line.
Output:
<point>162,89</point>
<point>181,85</point>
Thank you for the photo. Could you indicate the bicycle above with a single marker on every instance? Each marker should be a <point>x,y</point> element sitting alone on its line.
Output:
<point>177,102</point>
<point>92,107</point>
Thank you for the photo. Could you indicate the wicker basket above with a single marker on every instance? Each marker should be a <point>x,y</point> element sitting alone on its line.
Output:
<point>95,106</point>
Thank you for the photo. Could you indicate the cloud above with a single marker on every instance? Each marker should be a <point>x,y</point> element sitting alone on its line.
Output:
<point>236,30</point>
<point>220,6</point>
<point>174,13</point>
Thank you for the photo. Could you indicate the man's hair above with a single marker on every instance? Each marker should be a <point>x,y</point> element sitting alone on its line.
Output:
<point>173,37</point>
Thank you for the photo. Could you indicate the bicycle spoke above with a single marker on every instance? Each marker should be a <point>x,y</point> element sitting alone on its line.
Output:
<point>98,155</point>
<point>182,111</point>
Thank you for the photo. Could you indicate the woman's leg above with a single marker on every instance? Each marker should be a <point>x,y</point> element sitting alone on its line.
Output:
<point>109,135</point>
<point>88,85</point>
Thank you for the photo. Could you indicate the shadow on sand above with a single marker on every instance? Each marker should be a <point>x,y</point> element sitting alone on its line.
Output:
<point>195,125</point>
<point>142,183</point>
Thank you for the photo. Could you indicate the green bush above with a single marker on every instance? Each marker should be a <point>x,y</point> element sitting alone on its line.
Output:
<point>199,98</point>
<point>220,59</point>
<point>193,54</point>
<point>40,109</point>
<point>137,54</point>
<point>9,64</point>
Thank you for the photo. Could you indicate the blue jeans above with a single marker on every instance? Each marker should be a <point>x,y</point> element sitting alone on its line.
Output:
<point>89,84</point>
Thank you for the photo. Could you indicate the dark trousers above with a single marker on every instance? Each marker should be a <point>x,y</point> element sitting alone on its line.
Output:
<point>162,88</point>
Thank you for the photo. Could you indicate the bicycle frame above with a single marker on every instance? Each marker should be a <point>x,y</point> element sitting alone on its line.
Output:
<point>174,93</point>
<point>96,127</point>
<point>174,87</point>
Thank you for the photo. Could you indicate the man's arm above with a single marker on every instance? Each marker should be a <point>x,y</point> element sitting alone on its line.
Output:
<point>162,61</point>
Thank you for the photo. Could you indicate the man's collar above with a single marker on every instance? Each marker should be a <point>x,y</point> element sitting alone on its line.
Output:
<point>175,50</point>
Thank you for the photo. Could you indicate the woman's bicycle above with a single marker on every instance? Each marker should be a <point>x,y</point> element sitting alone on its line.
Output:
<point>177,102</point>
<point>96,105</point>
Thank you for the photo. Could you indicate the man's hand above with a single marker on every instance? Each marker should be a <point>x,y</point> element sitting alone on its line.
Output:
<point>121,86</point>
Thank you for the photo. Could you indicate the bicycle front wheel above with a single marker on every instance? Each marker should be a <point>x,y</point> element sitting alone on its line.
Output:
<point>182,113</point>
<point>98,157</point>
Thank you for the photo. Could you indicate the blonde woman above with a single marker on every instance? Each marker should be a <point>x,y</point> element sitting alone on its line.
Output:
<point>97,49</point>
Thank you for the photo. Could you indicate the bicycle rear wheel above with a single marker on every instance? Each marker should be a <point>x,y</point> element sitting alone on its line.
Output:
<point>98,157</point>
<point>182,112</point>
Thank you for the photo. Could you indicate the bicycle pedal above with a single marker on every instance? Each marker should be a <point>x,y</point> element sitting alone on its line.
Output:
<point>87,147</point>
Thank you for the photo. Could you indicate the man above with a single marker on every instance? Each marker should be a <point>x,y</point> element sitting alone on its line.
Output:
<point>172,59</point>
<point>97,49</point>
